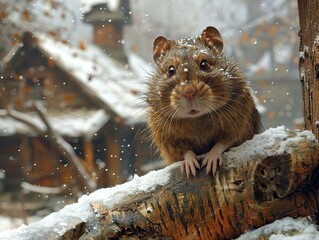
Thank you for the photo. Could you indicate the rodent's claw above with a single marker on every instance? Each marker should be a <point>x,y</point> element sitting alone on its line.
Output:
<point>211,161</point>
<point>190,164</point>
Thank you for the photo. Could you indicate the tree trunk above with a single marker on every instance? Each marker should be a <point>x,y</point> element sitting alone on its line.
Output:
<point>309,62</point>
<point>245,194</point>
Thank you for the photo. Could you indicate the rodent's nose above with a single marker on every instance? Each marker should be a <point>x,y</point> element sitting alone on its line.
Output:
<point>189,92</point>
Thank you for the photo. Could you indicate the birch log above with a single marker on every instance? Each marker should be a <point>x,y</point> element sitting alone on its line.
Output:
<point>274,181</point>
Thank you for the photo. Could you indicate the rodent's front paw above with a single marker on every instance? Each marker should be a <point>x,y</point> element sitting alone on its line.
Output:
<point>211,160</point>
<point>190,164</point>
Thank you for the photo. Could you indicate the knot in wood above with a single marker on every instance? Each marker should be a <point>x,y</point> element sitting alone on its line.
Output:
<point>272,178</point>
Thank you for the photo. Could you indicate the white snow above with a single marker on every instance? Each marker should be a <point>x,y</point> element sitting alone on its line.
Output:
<point>86,5</point>
<point>263,144</point>
<point>12,222</point>
<point>118,87</point>
<point>71,123</point>
<point>260,108</point>
<point>263,63</point>
<point>141,68</point>
<point>57,223</point>
<point>282,229</point>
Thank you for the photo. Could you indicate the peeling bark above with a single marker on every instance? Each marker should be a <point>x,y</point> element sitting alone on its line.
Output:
<point>243,195</point>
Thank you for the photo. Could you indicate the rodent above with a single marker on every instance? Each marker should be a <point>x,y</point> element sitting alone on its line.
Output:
<point>199,102</point>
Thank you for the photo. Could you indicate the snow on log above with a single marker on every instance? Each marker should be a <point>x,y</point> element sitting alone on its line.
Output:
<point>267,178</point>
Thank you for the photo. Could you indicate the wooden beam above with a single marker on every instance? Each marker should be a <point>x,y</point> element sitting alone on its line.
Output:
<point>89,154</point>
<point>113,163</point>
<point>309,62</point>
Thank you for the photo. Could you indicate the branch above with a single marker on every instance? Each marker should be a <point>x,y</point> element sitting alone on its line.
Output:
<point>39,189</point>
<point>27,120</point>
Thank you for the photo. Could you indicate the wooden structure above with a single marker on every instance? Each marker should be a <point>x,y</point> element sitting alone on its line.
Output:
<point>91,100</point>
<point>309,62</point>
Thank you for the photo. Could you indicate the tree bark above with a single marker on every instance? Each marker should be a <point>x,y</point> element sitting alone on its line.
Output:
<point>244,194</point>
<point>309,62</point>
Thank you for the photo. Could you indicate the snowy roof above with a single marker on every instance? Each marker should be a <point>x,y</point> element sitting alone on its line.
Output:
<point>116,86</point>
<point>70,123</point>
<point>103,77</point>
<point>87,5</point>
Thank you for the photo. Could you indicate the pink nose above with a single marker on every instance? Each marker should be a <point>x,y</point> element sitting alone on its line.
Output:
<point>189,92</point>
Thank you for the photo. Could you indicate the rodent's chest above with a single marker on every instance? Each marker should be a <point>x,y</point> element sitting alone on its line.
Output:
<point>196,131</point>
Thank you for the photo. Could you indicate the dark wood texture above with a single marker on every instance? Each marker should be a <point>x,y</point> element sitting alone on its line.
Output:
<point>309,61</point>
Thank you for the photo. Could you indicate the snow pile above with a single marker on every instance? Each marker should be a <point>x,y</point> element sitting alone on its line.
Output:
<point>87,5</point>
<point>58,223</point>
<point>12,222</point>
<point>70,123</point>
<point>272,141</point>
<point>284,229</point>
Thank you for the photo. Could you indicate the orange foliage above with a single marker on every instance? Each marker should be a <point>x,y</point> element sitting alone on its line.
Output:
<point>245,37</point>
<point>65,41</point>
<point>273,29</point>
<point>26,16</point>
<point>262,83</point>
<point>16,37</point>
<point>265,44</point>
<point>82,45</point>
<point>51,62</point>
<point>134,91</point>
<point>68,98</point>
<point>52,33</point>
<point>3,15</point>
<point>271,115</point>
<point>47,14</point>
<point>26,89</point>
<point>261,98</point>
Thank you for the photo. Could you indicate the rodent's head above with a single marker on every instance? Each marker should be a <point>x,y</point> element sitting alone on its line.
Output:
<point>193,77</point>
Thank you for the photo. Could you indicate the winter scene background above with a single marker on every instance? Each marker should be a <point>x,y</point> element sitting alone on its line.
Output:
<point>62,77</point>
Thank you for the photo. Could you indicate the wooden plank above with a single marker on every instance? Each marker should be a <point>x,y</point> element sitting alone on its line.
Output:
<point>113,164</point>
<point>309,61</point>
<point>89,154</point>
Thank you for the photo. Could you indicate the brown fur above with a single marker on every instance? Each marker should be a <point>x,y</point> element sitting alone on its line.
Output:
<point>232,117</point>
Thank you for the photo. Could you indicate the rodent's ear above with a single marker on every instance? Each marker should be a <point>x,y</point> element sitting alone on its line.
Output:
<point>160,46</point>
<point>213,39</point>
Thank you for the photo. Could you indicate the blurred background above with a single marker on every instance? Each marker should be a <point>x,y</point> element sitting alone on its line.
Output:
<point>72,80</point>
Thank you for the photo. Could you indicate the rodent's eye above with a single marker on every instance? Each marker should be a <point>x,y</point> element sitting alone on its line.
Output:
<point>171,71</point>
<point>204,65</point>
